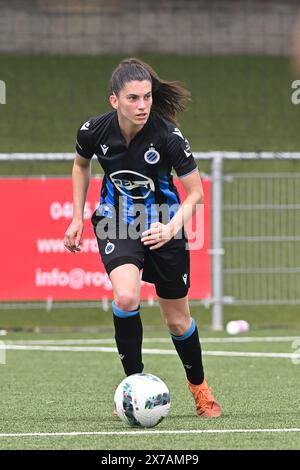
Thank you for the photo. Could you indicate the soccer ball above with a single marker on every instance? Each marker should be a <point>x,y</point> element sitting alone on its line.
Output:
<point>142,400</point>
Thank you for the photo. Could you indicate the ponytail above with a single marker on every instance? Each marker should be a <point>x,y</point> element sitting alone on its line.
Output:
<point>169,97</point>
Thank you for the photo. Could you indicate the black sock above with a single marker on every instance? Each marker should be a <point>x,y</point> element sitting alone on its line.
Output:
<point>129,337</point>
<point>189,350</point>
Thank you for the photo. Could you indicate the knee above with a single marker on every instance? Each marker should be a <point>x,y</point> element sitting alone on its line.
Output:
<point>127,301</point>
<point>175,328</point>
<point>179,327</point>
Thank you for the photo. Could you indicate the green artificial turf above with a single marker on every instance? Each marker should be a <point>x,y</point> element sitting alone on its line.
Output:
<point>80,319</point>
<point>238,103</point>
<point>67,391</point>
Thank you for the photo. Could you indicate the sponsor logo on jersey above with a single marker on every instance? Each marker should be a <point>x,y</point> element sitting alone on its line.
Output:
<point>109,248</point>
<point>151,156</point>
<point>85,126</point>
<point>104,148</point>
<point>130,183</point>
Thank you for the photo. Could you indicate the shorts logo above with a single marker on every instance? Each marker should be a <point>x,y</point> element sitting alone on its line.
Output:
<point>184,278</point>
<point>151,156</point>
<point>104,148</point>
<point>109,248</point>
<point>132,184</point>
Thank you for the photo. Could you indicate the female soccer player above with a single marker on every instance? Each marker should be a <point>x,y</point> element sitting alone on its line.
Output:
<point>139,223</point>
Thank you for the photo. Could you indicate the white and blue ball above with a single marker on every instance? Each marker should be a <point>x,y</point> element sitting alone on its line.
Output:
<point>142,400</point>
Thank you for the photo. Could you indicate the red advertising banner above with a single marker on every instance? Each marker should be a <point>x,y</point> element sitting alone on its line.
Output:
<point>34,262</point>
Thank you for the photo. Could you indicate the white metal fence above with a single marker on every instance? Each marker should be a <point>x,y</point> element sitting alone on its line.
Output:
<point>256,227</point>
<point>255,231</point>
<point>261,236</point>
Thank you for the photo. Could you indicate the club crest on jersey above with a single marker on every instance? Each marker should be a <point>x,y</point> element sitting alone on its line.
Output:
<point>151,156</point>
<point>109,248</point>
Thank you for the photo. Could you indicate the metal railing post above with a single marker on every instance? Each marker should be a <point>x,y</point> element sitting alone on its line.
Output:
<point>217,251</point>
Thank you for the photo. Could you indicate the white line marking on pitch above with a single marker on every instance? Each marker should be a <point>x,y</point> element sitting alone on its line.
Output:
<point>242,339</point>
<point>136,433</point>
<point>20,347</point>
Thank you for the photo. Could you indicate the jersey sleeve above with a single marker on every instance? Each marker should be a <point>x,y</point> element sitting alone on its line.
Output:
<point>180,153</point>
<point>84,144</point>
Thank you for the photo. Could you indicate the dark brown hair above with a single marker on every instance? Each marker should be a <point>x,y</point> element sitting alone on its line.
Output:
<point>169,97</point>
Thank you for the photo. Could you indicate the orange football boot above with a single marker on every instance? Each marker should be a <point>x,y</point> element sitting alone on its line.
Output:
<point>206,405</point>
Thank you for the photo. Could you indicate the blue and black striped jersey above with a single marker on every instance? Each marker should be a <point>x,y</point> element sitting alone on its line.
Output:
<point>138,173</point>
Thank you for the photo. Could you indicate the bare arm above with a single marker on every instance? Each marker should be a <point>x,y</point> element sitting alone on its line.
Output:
<point>159,234</point>
<point>80,182</point>
<point>193,186</point>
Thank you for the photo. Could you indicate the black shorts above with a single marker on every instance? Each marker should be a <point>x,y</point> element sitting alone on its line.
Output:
<point>167,267</point>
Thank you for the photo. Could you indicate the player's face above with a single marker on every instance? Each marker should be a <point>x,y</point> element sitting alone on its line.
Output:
<point>133,103</point>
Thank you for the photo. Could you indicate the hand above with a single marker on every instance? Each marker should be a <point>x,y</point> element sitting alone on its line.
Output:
<point>73,236</point>
<point>157,235</point>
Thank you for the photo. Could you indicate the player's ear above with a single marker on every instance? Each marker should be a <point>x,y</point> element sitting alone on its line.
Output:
<point>113,101</point>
